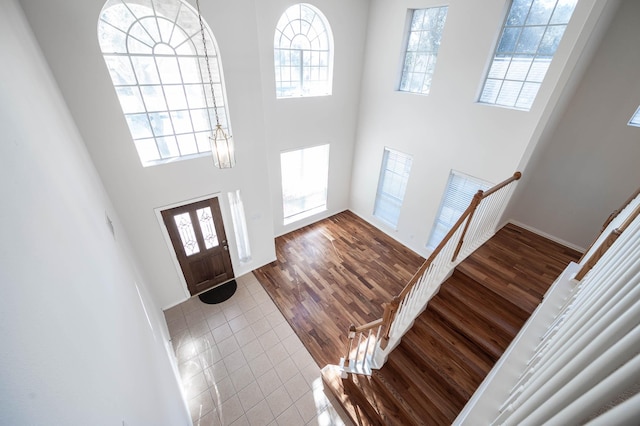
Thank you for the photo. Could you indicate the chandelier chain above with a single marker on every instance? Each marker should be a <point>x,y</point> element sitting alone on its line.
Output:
<point>206,59</point>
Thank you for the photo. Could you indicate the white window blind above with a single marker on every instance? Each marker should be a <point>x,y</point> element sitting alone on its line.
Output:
<point>530,36</point>
<point>635,120</point>
<point>394,175</point>
<point>457,195</point>
<point>305,175</point>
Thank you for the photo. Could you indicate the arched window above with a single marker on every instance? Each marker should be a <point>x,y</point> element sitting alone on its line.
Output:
<point>303,53</point>
<point>153,50</point>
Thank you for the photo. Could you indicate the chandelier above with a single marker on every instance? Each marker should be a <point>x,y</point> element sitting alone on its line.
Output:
<point>221,142</point>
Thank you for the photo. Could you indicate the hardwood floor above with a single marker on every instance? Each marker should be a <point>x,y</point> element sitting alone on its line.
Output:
<point>340,270</point>
<point>332,274</point>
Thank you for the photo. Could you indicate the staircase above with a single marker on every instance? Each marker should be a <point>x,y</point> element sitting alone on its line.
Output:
<point>453,344</point>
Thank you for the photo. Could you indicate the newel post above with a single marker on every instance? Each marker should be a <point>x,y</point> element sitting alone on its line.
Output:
<point>350,336</point>
<point>475,202</point>
<point>390,309</point>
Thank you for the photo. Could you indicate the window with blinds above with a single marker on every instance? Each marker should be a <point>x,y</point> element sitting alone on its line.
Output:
<point>394,175</point>
<point>457,195</point>
<point>530,36</point>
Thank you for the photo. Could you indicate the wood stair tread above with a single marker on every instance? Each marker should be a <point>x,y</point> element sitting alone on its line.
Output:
<point>491,339</point>
<point>429,376</point>
<point>479,273</point>
<point>476,361</point>
<point>488,305</point>
<point>466,327</point>
<point>443,363</point>
<point>422,404</point>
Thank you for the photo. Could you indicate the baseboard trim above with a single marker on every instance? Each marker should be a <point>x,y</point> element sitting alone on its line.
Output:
<point>544,234</point>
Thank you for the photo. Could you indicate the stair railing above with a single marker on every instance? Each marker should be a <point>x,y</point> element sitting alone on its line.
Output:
<point>369,345</point>
<point>604,241</point>
<point>589,354</point>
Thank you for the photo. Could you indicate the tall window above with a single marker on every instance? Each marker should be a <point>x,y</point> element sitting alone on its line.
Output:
<point>305,175</point>
<point>394,175</point>
<point>530,36</point>
<point>303,53</point>
<point>635,120</point>
<point>422,47</point>
<point>154,53</point>
<point>457,196</point>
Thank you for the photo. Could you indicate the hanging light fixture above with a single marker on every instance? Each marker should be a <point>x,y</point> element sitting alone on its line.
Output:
<point>221,142</point>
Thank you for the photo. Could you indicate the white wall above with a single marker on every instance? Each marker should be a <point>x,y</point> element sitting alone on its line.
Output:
<point>588,165</point>
<point>262,126</point>
<point>77,345</point>
<point>303,122</point>
<point>70,45</point>
<point>447,129</point>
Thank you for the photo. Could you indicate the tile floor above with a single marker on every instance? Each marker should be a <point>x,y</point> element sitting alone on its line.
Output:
<point>242,364</point>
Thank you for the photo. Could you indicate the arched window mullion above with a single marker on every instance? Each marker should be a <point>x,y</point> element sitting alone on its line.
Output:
<point>173,133</point>
<point>302,36</point>
<point>138,21</point>
<point>155,18</point>
<point>187,39</point>
<point>174,21</point>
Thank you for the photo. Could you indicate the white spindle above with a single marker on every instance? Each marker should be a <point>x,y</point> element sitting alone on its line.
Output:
<point>626,413</point>
<point>618,356</point>
<point>366,351</point>
<point>480,229</point>
<point>592,400</point>
<point>608,329</point>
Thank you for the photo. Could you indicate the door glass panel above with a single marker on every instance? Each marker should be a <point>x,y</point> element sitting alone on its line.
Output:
<point>187,234</point>
<point>206,225</point>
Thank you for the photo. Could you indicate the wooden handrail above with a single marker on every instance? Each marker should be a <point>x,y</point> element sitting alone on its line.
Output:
<point>368,326</point>
<point>498,187</point>
<point>468,212</point>
<point>610,219</point>
<point>607,243</point>
<point>617,212</point>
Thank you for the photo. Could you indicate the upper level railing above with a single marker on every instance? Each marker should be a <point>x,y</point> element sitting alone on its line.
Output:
<point>368,345</point>
<point>576,359</point>
<point>606,239</point>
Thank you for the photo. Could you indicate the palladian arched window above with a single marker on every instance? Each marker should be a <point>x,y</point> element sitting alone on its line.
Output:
<point>154,52</point>
<point>303,53</point>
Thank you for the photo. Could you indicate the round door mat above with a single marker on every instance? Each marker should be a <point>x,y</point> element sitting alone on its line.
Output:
<point>219,294</point>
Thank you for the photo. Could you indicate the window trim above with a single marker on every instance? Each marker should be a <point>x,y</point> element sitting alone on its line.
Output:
<point>634,121</point>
